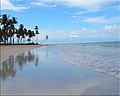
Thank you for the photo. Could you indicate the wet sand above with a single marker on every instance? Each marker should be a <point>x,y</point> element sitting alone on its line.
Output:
<point>44,72</point>
<point>7,50</point>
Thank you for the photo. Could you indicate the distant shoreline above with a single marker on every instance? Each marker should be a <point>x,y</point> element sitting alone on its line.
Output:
<point>97,42</point>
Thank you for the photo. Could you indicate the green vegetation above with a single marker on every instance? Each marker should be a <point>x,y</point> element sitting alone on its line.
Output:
<point>8,32</point>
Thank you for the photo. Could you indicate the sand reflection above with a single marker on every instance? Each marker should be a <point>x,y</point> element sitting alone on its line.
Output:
<point>8,67</point>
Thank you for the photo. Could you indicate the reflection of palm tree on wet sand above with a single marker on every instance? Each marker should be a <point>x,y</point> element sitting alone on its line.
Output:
<point>37,59</point>
<point>47,53</point>
<point>8,67</point>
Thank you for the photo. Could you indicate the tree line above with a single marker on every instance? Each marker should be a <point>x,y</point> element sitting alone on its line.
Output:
<point>8,31</point>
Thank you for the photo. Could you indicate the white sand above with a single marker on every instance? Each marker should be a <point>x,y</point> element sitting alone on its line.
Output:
<point>7,50</point>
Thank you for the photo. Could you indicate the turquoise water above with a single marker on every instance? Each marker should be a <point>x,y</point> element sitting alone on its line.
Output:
<point>43,71</point>
<point>110,43</point>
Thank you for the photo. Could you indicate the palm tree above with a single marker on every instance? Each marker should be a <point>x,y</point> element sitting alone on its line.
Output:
<point>25,32</point>
<point>4,22</point>
<point>14,21</point>
<point>8,30</point>
<point>1,35</point>
<point>29,35</point>
<point>46,38</point>
<point>20,33</point>
<point>33,34</point>
<point>8,27</point>
<point>36,29</point>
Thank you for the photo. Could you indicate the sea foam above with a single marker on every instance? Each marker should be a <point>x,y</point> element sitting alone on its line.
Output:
<point>100,58</point>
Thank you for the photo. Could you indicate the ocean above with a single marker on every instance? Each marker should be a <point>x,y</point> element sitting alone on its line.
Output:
<point>102,57</point>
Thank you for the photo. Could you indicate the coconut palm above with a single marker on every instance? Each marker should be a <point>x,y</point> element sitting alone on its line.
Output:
<point>25,32</point>
<point>18,35</point>
<point>8,30</point>
<point>36,30</point>
<point>1,35</point>
<point>14,21</point>
<point>21,32</point>
<point>8,27</point>
<point>29,35</point>
<point>46,38</point>
<point>4,22</point>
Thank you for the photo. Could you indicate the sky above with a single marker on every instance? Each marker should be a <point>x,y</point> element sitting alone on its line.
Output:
<point>67,21</point>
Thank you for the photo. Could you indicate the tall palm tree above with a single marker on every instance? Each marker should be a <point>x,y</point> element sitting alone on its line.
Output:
<point>33,34</point>
<point>29,35</point>
<point>1,35</point>
<point>46,38</point>
<point>14,21</point>
<point>36,30</point>
<point>18,35</point>
<point>8,27</point>
<point>21,32</point>
<point>25,33</point>
<point>4,22</point>
<point>10,31</point>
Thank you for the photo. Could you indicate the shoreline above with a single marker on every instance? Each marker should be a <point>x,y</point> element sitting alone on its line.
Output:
<point>103,60</point>
<point>8,50</point>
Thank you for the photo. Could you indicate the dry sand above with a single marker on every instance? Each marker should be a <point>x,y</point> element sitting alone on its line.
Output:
<point>7,50</point>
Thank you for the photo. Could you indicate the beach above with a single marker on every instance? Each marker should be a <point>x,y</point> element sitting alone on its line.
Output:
<point>43,71</point>
<point>60,47</point>
<point>8,50</point>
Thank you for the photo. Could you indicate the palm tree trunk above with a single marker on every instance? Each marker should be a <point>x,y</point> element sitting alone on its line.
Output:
<point>18,40</point>
<point>21,40</point>
<point>37,39</point>
<point>10,40</point>
<point>42,41</point>
<point>13,39</point>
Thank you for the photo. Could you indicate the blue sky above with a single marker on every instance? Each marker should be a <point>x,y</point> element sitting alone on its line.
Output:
<point>67,21</point>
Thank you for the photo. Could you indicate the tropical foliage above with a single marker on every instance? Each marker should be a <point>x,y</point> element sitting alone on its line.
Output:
<point>8,31</point>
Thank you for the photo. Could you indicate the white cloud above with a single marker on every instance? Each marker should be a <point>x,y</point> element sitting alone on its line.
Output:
<point>7,5</point>
<point>74,34</point>
<point>111,27</point>
<point>84,29</point>
<point>91,5</point>
<point>58,34</point>
<point>98,19</point>
<point>112,30</point>
<point>108,31</point>
<point>44,4</point>
<point>79,13</point>
<point>103,19</point>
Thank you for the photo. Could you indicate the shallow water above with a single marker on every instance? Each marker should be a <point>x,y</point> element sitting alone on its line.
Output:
<point>103,58</point>
<point>42,71</point>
